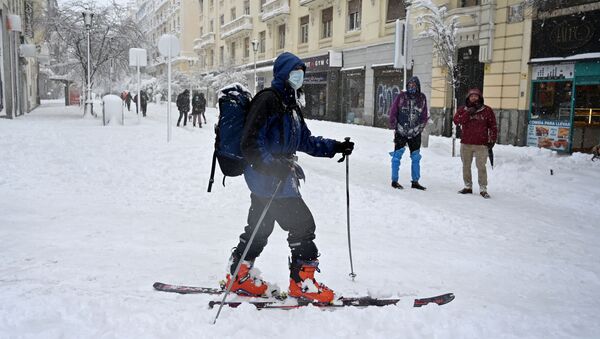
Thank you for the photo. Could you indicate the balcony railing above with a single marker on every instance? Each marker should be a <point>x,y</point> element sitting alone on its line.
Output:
<point>237,26</point>
<point>274,9</point>
<point>205,40</point>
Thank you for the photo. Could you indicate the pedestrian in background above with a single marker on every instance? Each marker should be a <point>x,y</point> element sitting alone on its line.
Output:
<point>408,117</point>
<point>479,133</point>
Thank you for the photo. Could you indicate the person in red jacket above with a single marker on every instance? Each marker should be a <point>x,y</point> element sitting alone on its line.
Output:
<point>479,132</point>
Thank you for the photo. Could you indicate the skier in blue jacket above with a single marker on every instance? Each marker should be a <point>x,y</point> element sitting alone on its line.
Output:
<point>274,131</point>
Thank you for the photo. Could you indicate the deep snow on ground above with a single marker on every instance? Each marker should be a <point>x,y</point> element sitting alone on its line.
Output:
<point>92,215</point>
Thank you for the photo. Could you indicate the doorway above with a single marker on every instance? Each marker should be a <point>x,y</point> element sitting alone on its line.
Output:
<point>470,72</point>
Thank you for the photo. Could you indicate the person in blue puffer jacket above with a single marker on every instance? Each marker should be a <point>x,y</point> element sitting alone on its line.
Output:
<point>408,117</point>
<point>273,132</point>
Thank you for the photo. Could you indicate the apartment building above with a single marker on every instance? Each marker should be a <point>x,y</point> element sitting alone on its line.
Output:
<point>347,47</point>
<point>177,17</point>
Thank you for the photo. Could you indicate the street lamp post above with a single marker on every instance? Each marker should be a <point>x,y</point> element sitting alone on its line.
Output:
<point>255,49</point>
<point>87,19</point>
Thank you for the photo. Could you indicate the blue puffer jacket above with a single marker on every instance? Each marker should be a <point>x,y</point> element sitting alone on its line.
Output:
<point>275,129</point>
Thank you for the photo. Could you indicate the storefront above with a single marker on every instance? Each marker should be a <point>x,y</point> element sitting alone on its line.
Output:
<point>564,113</point>
<point>353,96</point>
<point>320,87</point>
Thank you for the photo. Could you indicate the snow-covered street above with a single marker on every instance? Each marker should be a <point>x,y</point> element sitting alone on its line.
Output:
<point>93,215</point>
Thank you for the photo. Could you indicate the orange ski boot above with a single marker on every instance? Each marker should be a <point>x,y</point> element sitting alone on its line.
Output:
<point>246,283</point>
<point>303,284</point>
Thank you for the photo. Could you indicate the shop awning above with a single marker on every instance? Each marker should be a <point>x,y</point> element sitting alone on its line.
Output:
<point>357,68</point>
<point>569,58</point>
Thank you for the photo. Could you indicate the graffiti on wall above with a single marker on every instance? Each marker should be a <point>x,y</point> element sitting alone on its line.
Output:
<point>384,96</point>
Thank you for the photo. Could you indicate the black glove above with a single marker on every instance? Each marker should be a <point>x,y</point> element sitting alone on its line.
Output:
<point>491,144</point>
<point>280,168</point>
<point>346,147</point>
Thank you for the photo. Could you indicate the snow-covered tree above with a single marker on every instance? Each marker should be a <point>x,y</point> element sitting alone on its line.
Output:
<point>112,34</point>
<point>442,29</point>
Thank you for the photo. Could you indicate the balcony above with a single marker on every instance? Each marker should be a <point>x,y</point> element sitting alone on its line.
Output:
<point>275,10</point>
<point>313,3</point>
<point>237,27</point>
<point>206,40</point>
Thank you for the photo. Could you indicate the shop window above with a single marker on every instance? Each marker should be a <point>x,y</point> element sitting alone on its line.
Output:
<point>587,105</point>
<point>395,10</point>
<point>304,29</point>
<point>262,41</point>
<point>354,12</point>
<point>326,22</point>
<point>281,42</point>
<point>353,97</point>
<point>469,3</point>
<point>551,100</point>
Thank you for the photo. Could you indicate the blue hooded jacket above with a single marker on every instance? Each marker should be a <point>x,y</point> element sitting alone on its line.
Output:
<point>275,129</point>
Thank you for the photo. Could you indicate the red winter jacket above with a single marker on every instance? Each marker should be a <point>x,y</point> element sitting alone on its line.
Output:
<point>479,128</point>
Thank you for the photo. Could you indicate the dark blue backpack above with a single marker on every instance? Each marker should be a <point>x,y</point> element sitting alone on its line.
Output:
<point>234,104</point>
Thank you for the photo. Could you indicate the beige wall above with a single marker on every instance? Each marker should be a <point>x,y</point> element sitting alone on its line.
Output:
<point>506,74</point>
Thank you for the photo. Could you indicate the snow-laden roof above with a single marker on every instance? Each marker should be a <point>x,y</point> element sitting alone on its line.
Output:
<point>571,57</point>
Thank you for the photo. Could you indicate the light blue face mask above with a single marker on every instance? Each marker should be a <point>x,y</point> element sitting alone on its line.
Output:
<point>296,78</point>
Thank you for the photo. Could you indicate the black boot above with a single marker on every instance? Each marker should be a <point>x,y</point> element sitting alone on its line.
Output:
<point>396,185</point>
<point>466,191</point>
<point>415,184</point>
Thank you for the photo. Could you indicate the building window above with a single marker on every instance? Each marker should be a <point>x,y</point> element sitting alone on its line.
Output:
<point>281,42</point>
<point>262,3</point>
<point>304,29</point>
<point>246,47</point>
<point>222,19</point>
<point>232,51</point>
<point>233,14</point>
<point>211,57</point>
<point>395,10</point>
<point>469,3</point>
<point>262,38</point>
<point>212,26</point>
<point>247,7</point>
<point>201,31</point>
<point>326,22</point>
<point>221,55</point>
<point>354,10</point>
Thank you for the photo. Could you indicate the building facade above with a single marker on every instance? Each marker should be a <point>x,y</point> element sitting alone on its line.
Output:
<point>507,48</point>
<point>19,67</point>
<point>176,17</point>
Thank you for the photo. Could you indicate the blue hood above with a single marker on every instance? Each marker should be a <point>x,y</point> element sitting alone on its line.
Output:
<point>284,64</point>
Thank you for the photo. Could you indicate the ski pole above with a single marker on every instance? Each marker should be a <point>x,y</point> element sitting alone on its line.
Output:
<point>347,158</point>
<point>237,267</point>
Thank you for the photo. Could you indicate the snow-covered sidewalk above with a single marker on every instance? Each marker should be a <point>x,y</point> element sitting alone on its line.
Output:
<point>92,215</point>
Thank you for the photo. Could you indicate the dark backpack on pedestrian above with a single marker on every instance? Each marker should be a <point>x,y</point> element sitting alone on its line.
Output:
<point>234,104</point>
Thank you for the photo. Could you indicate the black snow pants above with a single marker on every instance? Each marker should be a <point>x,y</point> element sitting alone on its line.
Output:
<point>292,215</point>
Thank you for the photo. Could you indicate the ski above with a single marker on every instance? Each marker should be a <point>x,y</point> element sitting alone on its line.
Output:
<point>182,289</point>
<point>186,289</point>
<point>293,303</point>
<point>439,300</point>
